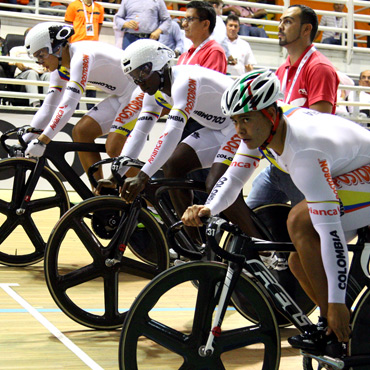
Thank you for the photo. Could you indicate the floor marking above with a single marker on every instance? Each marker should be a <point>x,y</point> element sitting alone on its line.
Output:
<point>49,326</point>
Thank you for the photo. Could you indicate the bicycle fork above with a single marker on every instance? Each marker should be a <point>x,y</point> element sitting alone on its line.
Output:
<point>125,230</point>
<point>232,276</point>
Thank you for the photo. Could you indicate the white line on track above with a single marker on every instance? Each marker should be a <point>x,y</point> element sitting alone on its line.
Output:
<point>49,326</point>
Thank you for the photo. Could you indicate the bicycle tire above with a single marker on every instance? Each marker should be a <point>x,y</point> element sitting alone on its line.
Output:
<point>140,323</point>
<point>273,217</point>
<point>31,224</point>
<point>69,278</point>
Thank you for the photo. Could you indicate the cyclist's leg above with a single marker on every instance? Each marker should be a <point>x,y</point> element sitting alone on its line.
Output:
<point>307,260</point>
<point>96,122</point>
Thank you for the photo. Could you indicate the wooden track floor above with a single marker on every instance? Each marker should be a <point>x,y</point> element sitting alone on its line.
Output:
<point>35,334</point>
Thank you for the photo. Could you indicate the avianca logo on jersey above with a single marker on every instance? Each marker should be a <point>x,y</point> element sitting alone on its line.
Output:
<point>240,164</point>
<point>191,96</point>
<point>302,91</point>
<point>359,176</point>
<point>232,145</point>
<point>340,259</point>
<point>322,212</point>
<point>85,68</point>
<point>58,117</point>
<point>131,108</point>
<point>157,147</point>
<point>325,169</point>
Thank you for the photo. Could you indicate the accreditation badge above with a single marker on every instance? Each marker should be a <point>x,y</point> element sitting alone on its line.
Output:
<point>89,29</point>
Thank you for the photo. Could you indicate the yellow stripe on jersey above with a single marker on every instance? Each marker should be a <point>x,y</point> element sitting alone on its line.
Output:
<point>182,112</point>
<point>257,158</point>
<point>161,100</point>
<point>126,129</point>
<point>354,200</point>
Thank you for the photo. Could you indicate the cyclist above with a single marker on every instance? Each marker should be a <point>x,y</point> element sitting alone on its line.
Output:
<point>72,66</point>
<point>189,91</point>
<point>328,159</point>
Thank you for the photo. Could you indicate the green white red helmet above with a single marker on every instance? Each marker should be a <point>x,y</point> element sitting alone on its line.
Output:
<point>146,51</point>
<point>253,91</point>
<point>50,35</point>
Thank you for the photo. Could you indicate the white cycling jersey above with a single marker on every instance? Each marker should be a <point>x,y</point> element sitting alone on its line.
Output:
<point>196,92</point>
<point>98,64</point>
<point>328,159</point>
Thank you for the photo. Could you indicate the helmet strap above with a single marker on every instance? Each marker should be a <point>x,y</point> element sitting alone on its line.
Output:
<point>275,125</point>
<point>58,54</point>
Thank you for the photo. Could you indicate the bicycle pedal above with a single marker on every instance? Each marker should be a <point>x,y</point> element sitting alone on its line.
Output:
<point>326,361</point>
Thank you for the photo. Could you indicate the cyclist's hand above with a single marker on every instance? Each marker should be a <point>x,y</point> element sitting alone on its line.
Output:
<point>133,186</point>
<point>35,148</point>
<point>338,321</point>
<point>192,215</point>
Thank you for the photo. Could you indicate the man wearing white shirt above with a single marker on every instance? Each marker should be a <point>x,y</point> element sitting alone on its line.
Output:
<point>29,71</point>
<point>364,96</point>
<point>242,60</point>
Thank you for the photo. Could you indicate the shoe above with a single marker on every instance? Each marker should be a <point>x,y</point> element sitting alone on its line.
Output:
<point>317,342</point>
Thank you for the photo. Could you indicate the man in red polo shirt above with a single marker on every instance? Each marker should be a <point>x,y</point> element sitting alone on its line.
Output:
<point>307,78</point>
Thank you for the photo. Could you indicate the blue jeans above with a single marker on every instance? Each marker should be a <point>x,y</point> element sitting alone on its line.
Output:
<point>273,186</point>
<point>252,31</point>
<point>128,38</point>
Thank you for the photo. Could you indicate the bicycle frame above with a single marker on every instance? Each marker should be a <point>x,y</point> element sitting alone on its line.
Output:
<point>244,254</point>
<point>55,153</point>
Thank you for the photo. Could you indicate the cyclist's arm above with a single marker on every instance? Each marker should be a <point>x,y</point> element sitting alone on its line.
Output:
<point>43,116</point>
<point>227,189</point>
<point>310,171</point>
<point>80,68</point>
<point>167,142</point>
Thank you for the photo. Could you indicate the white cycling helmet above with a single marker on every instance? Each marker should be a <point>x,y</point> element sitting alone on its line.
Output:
<point>253,91</point>
<point>50,35</point>
<point>146,51</point>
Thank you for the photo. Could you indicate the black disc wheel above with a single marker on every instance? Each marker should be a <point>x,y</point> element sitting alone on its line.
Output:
<point>24,232</point>
<point>88,290</point>
<point>273,218</point>
<point>170,321</point>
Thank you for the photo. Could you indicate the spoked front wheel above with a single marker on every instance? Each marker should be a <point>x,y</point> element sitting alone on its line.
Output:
<point>88,290</point>
<point>170,320</point>
<point>24,232</point>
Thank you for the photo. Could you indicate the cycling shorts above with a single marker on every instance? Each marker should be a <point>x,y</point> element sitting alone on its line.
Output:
<point>118,113</point>
<point>213,146</point>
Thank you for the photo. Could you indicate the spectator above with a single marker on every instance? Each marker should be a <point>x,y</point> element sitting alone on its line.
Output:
<point>174,39</point>
<point>364,96</point>
<point>199,23</point>
<point>87,17</point>
<point>342,95</point>
<point>219,33</point>
<point>307,79</point>
<point>29,71</point>
<point>247,12</point>
<point>242,58</point>
<point>142,19</point>
<point>331,37</point>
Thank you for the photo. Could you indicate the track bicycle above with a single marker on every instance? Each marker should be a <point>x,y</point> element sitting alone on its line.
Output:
<point>199,330</point>
<point>25,217</point>
<point>102,227</point>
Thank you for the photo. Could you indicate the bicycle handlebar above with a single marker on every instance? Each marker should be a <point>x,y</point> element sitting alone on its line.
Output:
<point>19,131</point>
<point>214,226</point>
<point>92,169</point>
<point>123,162</point>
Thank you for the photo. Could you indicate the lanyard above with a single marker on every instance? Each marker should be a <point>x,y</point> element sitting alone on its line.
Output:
<point>195,51</point>
<point>92,12</point>
<point>301,64</point>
